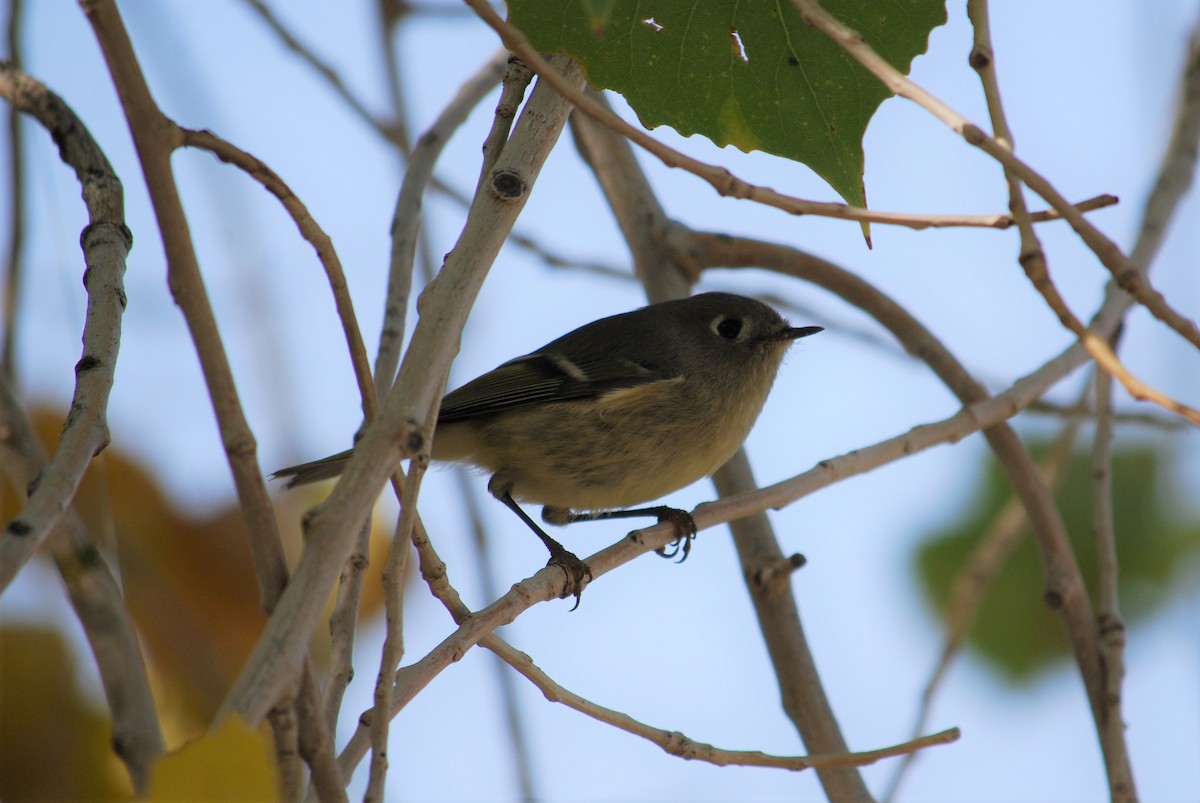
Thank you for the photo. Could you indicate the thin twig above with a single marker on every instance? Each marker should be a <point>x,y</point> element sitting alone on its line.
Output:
<point>972,582</point>
<point>528,593</point>
<point>391,15</point>
<point>1128,275</point>
<point>343,623</point>
<point>155,138</point>
<point>403,427</point>
<point>677,744</point>
<point>1178,168</point>
<point>316,743</point>
<point>643,221</point>
<point>311,231</point>
<point>512,92</point>
<point>14,268</point>
<point>406,217</point>
<point>282,717</point>
<point>1033,261</point>
<point>668,266</point>
<point>394,572</point>
<point>105,243</point>
<point>1149,419</point>
<point>392,131</point>
<point>97,600</point>
<point>1108,614</point>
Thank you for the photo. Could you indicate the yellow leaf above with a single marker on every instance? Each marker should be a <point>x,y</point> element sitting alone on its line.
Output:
<point>235,763</point>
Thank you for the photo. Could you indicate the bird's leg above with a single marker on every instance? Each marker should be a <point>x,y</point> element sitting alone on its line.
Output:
<point>685,525</point>
<point>578,573</point>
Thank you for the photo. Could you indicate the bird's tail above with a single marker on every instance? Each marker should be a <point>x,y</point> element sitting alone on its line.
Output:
<point>324,469</point>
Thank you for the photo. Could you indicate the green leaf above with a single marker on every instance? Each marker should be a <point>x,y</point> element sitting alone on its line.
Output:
<point>1016,632</point>
<point>750,74</point>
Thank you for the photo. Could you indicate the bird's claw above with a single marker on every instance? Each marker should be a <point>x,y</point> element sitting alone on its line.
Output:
<point>685,528</point>
<point>578,574</point>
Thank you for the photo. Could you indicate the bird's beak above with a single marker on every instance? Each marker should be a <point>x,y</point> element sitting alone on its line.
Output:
<point>799,332</point>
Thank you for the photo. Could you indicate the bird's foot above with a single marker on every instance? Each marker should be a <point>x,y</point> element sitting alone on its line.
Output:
<point>685,529</point>
<point>578,573</point>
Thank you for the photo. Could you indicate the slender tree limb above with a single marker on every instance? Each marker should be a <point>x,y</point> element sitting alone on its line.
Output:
<point>517,741</point>
<point>677,744</point>
<point>643,221</point>
<point>311,231</point>
<point>105,242</point>
<point>391,15</point>
<point>406,218</point>
<point>394,573</point>
<point>1151,420</point>
<point>434,570</point>
<point>403,427</point>
<point>405,225</point>
<point>282,717</point>
<point>1108,615</point>
<point>1033,260</point>
<point>137,739</point>
<point>343,624</point>
<point>973,581</point>
<point>1130,276</point>
<point>668,268</point>
<point>14,268</point>
<point>513,86</point>
<point>1177,170</point>
<point>316,745</point>
<point>393,131</point>
<point>155,138</point>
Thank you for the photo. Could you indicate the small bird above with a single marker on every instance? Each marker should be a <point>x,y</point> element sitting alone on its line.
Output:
<point>618,412</point>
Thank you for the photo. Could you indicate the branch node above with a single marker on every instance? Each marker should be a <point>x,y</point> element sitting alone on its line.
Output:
<point>508,185</point>
<point>981,57</point>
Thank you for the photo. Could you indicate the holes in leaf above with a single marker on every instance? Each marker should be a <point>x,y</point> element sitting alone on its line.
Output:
<point>739,47</point>
<point>652,24</point>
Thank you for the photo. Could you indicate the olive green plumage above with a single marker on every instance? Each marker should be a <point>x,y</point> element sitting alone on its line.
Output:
<point>618,412</point>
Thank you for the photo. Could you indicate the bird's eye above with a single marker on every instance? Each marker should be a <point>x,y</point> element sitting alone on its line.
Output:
<point>729,328</point>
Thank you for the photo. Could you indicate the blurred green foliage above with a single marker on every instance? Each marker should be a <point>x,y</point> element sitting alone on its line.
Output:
<point>1015,632</point>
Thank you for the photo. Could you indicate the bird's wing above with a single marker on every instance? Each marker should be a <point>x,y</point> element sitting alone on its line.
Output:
<point>543,377</point>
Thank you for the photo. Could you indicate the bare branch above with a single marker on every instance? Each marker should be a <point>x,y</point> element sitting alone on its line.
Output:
<point>155,137</point>
<point>1131,277</point>
<point>1033,260</point>
<point>14,269</point>
<point>677,744</point>
<point>403,426</point>
<point>106,242</point>
<point>98,603</point>
<point>311,231</point>
<point>394,132</point>
<point>973,581</point>
<point>406,218</point>
<point>1109,623</point>
<point>394,573</point>
<point>665,261</point>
